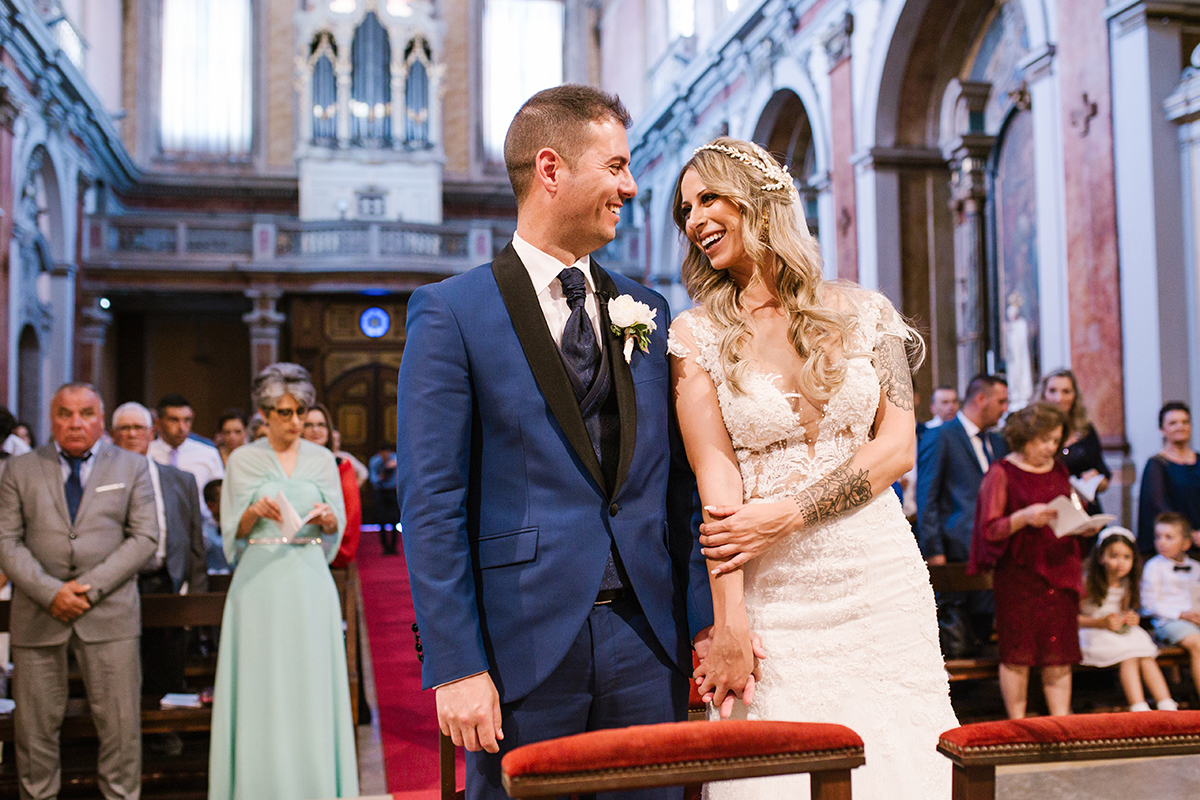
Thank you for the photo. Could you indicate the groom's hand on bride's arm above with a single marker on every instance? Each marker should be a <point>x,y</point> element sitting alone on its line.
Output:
<point>737,534</point>
<point>468,712</point>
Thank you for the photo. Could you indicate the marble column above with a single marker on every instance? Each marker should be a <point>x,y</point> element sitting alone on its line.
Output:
<point>60,360</point>
<point>264,321</point>
<point>841,117</point>
<point>1183,108</point>
<point>1042,97</point>
<point>1145,44</point>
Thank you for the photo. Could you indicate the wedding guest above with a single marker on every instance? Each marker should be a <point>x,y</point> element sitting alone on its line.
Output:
<point>1171,479</point>
<point>1081,452</point>
<point>231,433</point>
<point>25,433</point>
<point>1170,582</point>
<point>256,426</point>
<point>1037,576</point>
<point>281,722</point>
<point>318,429</point>
<point>361,473</point>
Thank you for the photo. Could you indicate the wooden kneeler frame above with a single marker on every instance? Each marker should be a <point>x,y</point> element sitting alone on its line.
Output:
<point>681,753</point>
<point>976,750</point>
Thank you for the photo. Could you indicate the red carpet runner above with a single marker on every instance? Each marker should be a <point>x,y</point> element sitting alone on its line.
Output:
<point>407,715</point>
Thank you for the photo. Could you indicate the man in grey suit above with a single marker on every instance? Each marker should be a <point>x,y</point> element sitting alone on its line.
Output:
<point>77,522</point>
<point>181,555</point>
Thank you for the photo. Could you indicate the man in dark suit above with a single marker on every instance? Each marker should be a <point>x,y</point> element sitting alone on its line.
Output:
<point>180,557</point>
<point>950,466</point>
<point>951,461</point>
<point>546,513</point>
<point>76,523</point>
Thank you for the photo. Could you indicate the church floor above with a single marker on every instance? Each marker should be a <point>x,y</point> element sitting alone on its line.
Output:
<point>1165,778</point>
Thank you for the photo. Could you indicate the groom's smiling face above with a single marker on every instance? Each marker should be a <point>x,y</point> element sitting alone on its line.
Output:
<point>592,193</point>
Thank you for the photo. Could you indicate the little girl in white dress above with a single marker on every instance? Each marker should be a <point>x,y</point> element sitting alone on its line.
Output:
<point>1108,621</point>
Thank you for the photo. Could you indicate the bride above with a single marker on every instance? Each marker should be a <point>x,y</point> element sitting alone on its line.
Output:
<point>794,397</point>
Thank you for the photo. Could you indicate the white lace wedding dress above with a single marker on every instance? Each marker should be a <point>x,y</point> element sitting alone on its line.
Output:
<point>845,610</point>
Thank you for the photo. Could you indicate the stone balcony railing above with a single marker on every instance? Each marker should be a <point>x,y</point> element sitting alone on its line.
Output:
<point>258,243</point>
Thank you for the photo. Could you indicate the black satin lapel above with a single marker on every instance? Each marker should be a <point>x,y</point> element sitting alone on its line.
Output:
<point>622,379</point>
<point>543,355</point>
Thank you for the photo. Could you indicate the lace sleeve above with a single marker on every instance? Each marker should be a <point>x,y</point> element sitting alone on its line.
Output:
<point>675,345</point>
<point>691,337</point>
<point>882,320</point>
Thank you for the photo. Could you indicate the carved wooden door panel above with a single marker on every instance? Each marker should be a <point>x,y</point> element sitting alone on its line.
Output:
<point>363,404</point>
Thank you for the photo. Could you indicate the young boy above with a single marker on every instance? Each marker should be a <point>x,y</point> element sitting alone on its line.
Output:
<point>1171,587</point>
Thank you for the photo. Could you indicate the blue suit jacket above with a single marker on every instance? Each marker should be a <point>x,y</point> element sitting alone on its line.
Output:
<point>948,479</point>
<point>506,513</point>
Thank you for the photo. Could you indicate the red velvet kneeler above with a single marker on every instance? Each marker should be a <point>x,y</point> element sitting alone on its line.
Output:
<point>678,753</point>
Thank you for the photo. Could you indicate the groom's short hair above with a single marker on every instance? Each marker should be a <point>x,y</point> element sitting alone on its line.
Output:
<point>557,118</point>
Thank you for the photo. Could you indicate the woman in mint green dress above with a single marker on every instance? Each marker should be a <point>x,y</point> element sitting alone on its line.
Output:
<point>281,723</point>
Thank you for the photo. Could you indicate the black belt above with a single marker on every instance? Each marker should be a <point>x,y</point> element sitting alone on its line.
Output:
<point>606,596</point>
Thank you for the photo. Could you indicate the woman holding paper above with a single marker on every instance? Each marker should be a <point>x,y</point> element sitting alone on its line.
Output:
<point>1037,575</point>
<point>1081,452</point>
<point>281,724</point>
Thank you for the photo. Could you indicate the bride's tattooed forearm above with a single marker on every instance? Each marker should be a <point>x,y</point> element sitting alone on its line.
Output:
<point>894,373</point>
<point>842,490</point>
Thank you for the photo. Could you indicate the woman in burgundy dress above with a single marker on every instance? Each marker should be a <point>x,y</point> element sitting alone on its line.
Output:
<point>1037,576</point>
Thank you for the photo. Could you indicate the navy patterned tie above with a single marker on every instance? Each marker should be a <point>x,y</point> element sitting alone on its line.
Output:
<point>74,486</point>
<point>579,347</point>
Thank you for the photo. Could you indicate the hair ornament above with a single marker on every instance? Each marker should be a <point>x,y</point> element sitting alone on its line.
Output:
<point>1116,530</point>
<point>777,177</point>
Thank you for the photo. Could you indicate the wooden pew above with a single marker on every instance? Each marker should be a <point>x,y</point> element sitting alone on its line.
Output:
<point>954,578</point>
<point>195,610</point>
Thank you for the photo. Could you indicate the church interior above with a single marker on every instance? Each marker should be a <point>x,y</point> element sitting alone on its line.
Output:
<point>191,190</point>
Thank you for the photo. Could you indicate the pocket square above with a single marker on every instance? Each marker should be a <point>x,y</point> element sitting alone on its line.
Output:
<point>112,487</point>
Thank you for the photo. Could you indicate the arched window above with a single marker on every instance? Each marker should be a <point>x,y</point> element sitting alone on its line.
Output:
<point>785,130</point>
<point>206,77</point>
<point>324,90</point>
<point>416,94</point>
<point>371,85</point>
<point>522,54</point>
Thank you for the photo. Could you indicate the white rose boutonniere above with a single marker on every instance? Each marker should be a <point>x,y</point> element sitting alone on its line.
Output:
<point>632,320</point>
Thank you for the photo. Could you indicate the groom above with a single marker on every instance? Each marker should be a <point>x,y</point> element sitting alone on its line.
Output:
<point>545,502</point>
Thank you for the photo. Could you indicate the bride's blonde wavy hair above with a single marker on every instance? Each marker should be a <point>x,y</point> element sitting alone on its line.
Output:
<point>774,236</point>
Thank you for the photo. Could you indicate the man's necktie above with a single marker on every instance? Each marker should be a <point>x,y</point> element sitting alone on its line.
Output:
<point>579,347</point>
<point>582,353</point>
<point>173,458</point>
<point>74,486</point>
<point>987,446</point>
<point>1182,567</point>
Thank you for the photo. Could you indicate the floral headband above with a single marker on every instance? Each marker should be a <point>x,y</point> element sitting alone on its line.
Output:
<point>777,177</point>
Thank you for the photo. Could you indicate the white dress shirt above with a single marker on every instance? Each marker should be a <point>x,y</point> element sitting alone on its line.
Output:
<point>543,272</point>
<point>200,459</point>
<point>160,554</point>
<point>976,442</point>
<point>1167,592</point>
<point>85,468</point>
